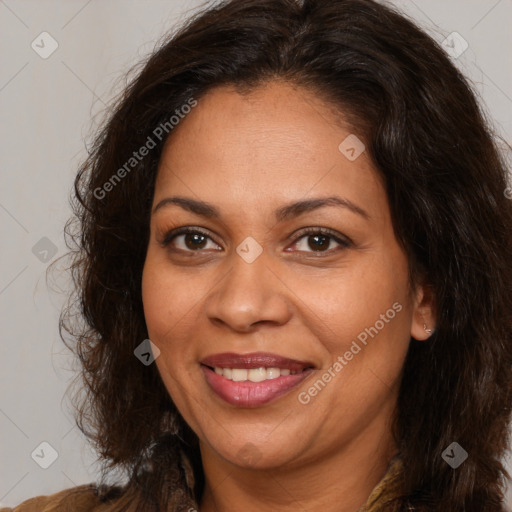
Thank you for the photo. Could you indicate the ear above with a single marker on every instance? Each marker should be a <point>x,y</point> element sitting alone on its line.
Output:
<point>424,313</point>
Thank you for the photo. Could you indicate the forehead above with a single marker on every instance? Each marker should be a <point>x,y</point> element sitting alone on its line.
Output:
<point>275,144</point>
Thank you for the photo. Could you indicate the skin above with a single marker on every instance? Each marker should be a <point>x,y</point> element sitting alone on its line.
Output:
<point>249,155</point>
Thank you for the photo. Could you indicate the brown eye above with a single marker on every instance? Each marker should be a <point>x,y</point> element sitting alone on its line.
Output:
<point>319,240</point>
<point>186,239</point>
<point>194,240</point>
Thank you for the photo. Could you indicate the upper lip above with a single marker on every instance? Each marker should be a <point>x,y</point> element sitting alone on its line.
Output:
<point>254,360</point>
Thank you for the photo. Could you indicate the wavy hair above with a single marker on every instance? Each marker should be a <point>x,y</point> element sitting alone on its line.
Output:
<point>445,176</point>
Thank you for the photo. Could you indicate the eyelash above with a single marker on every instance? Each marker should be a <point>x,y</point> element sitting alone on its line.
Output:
<point>344,243</point>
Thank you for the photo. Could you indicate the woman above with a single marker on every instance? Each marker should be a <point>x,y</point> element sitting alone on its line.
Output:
<point>302,207</point>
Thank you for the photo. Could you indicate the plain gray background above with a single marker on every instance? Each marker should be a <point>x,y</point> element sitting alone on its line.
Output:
<point>48,106</point>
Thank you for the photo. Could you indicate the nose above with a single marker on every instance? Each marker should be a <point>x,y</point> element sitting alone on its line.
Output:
<point>249,294</point>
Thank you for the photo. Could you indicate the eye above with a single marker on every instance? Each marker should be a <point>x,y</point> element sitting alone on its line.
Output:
<point>193,239</point>
<point>317,239</point>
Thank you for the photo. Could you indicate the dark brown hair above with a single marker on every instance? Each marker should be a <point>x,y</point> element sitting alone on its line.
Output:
<point>445,178</point>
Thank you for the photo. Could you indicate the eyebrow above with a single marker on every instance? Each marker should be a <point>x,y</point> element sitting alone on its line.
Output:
<point>286,212</point>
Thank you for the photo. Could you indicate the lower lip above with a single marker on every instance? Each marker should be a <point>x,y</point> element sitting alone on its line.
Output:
<point>252,394</point>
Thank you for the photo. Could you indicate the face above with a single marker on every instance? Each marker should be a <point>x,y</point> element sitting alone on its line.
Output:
<point>284,315</point>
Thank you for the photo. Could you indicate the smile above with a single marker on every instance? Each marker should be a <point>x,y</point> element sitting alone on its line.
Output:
<point>254,374</point>
<point>252,380</point>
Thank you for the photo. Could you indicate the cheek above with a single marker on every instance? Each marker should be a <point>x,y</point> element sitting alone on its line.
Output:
<point>154,302</point>
<point>170,301</point>
<point>166,297</point>
<point>342,305</point>
<point>161,310</point>
<point>162,313</point>
<point>166,305</point>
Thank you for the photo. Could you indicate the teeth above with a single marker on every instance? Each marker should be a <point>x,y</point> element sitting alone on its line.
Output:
<point>238,374</point>
<point>273,373</point>
<point>253,374</point>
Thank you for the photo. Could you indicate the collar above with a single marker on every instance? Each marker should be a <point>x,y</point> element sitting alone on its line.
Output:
<point>387,490</point>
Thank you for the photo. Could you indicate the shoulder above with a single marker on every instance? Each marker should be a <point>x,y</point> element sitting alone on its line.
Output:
<point>77,499</point>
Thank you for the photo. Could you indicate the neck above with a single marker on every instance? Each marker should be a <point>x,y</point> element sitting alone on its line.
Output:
<point>339,481</point>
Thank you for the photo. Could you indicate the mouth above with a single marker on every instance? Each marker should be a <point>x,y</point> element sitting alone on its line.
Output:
<point>252,380</point>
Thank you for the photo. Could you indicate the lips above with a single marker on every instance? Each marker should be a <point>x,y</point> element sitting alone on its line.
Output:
<point>251,380</point>
<point>254,360</point>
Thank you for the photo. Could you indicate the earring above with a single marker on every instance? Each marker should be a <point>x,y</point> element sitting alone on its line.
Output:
<point>428,331</point>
